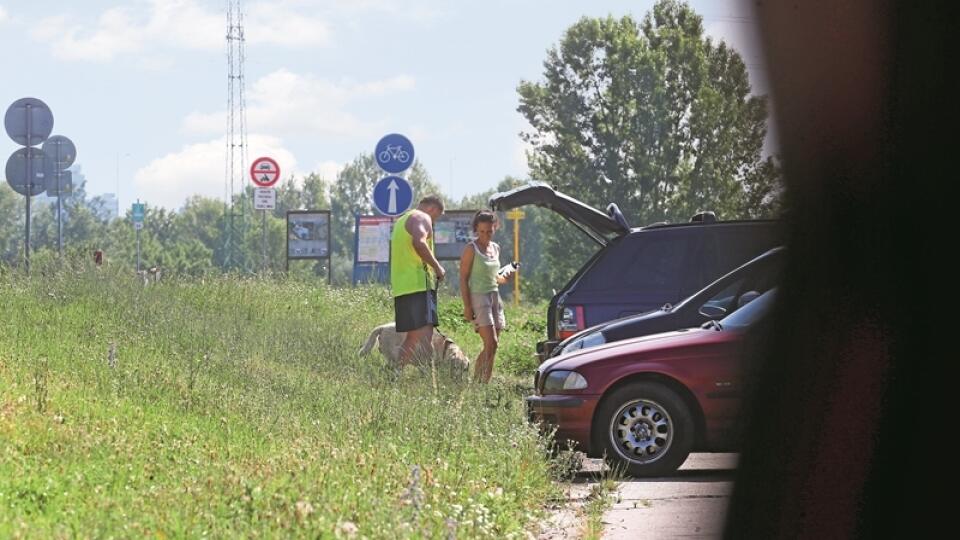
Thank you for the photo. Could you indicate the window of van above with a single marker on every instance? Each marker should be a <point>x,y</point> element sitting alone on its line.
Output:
<point>739,243</point>
<point>640,262</point>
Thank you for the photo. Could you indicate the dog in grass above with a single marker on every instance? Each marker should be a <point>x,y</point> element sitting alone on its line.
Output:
<point>447,356</point>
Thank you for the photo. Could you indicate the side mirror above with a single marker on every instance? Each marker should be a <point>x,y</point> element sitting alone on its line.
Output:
<point>712,312</point>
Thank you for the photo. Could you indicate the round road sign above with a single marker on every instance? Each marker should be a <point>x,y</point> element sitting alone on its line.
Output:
<point>28,114</point>
<point>392,196</point>
<point>61,150</point>
<point>27,171</point>
<point>59,183</point>
<point>394,153</point>
<point>264,171</point>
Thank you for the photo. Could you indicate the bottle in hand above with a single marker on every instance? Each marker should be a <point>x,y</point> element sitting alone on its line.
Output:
<point>508,269</point>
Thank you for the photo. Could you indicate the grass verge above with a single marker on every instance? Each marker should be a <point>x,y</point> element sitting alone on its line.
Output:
<point>239,407</point>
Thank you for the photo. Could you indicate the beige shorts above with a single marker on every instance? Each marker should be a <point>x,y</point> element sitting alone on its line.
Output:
<point>488,310</point>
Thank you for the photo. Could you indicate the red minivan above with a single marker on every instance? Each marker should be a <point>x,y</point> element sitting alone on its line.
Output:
<point>644,404</point>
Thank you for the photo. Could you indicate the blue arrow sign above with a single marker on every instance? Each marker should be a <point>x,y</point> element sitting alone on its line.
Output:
<point>394,153</point>
<point>392,196</point>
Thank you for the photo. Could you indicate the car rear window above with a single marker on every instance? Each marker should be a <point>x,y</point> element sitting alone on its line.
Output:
<point>738,244</point>
<point>641,261</point>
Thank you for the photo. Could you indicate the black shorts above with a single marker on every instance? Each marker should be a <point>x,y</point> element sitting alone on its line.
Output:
<point>416,310</point>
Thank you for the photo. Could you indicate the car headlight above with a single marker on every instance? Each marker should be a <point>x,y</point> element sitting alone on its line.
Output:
<point>562,379</point>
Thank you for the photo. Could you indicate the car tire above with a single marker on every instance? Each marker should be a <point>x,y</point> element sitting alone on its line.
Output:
<point>645,429</point>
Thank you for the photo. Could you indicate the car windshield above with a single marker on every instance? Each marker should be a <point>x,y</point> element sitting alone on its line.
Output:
<point>750,312</point>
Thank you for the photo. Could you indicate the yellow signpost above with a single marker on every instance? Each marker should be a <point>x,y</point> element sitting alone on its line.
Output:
<point>516,216</point>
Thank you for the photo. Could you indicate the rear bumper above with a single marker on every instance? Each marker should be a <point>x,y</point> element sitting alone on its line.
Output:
<point>570,417</point>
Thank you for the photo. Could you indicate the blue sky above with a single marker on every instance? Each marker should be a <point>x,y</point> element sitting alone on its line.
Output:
<point>140,85</point>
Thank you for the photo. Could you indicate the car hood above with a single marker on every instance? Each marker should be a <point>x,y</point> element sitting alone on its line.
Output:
<point>615,323</point>
<point>600,226</point>
<point>643,345</point>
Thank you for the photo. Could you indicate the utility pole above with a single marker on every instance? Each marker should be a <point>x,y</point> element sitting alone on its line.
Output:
<point>516,216</point>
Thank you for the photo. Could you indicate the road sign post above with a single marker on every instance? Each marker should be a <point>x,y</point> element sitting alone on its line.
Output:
<point>516,216</point>
<point>265,172</point>
<point>138,213</point>
<point>264,199</point>
<point>62,151</point>
<point>28,121</point>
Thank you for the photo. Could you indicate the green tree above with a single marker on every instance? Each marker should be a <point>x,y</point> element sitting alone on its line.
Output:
<point>11,224</point>
<point>653,116</point>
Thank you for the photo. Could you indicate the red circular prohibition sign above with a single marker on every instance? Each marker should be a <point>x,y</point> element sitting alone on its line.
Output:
<point>264,171</point>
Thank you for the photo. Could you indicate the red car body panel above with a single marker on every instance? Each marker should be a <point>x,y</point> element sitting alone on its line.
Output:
<point>704,362</point>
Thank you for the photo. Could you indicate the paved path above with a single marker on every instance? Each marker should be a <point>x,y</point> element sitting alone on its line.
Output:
<point>690,504</point>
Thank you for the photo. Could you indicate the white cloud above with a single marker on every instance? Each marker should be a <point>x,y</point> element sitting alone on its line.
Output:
<point>282,25</point>
<point>520,161</point>
<point>180,24</point>
<point>3,15</point>
<point>329,170</point>
<point>416,11</point>
<point>293,104</point>
<point>198,169</point>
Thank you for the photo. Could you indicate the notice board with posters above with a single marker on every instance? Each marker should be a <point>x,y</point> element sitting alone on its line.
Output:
<point>308,235</point>
<point>451,233</point>
<point>371,249</point>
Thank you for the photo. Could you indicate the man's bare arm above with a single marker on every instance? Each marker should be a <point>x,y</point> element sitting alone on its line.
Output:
<point>418,225</point>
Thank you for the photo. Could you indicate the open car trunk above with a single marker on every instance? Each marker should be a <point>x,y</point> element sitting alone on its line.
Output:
<point>599,226</point>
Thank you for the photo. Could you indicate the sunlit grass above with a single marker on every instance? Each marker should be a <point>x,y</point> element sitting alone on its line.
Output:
<point>237,406</point>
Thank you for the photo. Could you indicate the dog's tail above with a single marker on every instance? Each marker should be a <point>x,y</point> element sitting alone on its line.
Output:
<point>371,342</point>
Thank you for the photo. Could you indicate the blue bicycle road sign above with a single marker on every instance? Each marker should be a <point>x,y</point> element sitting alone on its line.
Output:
<point>394,153</point>
<point>392,196</point>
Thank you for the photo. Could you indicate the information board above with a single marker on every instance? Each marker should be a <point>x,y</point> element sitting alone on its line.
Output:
<point>308,234</point>
<point>452,232</point>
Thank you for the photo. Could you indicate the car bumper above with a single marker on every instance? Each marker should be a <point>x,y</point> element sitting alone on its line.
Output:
<point>569,415</point>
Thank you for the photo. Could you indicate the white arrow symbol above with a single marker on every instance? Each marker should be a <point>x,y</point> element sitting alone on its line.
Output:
<point>392,205</point>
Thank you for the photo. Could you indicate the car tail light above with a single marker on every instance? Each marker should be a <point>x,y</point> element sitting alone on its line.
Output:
<point>571,321</point>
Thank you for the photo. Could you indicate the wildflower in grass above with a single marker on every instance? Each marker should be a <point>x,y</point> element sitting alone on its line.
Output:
<point>303,510</point>
<point>348,528</point>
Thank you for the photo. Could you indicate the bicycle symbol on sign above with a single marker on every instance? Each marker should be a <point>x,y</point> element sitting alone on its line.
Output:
<point>394,152</point>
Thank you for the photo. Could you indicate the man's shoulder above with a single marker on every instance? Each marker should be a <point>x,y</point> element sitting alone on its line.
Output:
<point>417,217</point>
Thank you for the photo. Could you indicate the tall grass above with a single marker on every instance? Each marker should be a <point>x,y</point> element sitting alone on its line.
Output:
<point>238,407</point>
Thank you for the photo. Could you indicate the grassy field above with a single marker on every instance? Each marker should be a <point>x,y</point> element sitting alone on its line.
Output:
<point>238,407</point>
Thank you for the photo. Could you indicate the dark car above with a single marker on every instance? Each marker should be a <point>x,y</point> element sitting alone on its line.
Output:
<point>637,270</point>
<point>714,301</point>
<point>646,403</point>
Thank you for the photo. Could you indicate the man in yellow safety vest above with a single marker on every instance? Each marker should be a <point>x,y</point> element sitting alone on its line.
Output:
<point>415,274</point>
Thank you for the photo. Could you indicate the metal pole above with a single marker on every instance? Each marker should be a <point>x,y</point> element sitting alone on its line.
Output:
<point>264,215</point>
<point>59,174</point>
<point>138,238</point>
<point>516,257</point>
<point>26,237</point>
<point>138,250</point>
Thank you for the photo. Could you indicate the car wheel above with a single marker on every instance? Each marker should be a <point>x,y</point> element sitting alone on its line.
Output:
<point>647,429</point>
